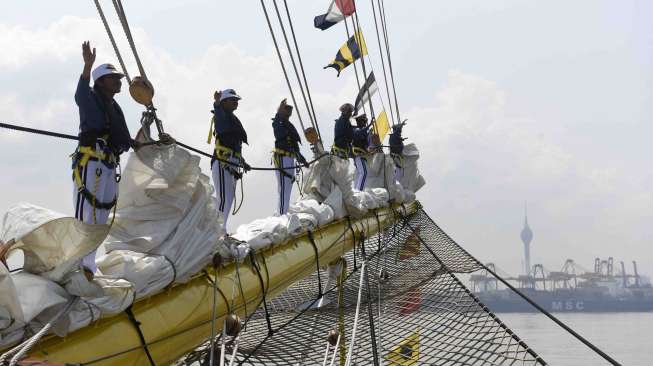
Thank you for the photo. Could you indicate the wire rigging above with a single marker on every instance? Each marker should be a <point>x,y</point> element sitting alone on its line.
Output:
<point>358,82</point>
<point>294,65</point>
<point>283,66</point>
<point>385,76</point>
<point>112,39</point>
<point>301,66</point>
<point>128,34</point>
<point>357,30</point>
<point>384,25</point>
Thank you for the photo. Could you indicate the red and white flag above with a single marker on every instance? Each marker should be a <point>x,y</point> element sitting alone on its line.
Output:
<point>338,10</point>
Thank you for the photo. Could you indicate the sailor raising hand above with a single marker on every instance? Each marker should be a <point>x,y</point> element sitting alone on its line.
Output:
<point>103,136</point>
<point>227,159</point>
<point>397,148</point>
<point>285,155</point>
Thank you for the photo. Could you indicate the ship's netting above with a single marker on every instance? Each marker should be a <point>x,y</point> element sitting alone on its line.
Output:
<point>413,310</point>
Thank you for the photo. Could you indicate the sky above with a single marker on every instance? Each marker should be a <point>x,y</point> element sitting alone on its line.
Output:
<point>509,102</point>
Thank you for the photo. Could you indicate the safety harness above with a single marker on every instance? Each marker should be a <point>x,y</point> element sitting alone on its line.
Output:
<point>81,157</point>
<point>99,151</point>
<point>339,152</point>
<point>357,151</point>
<point>223,153</point>
<point>277,154</point>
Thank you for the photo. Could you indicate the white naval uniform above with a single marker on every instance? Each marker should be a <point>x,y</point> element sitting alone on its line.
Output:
<point>284,183</point>
<point>100,180</point>
<point>360,178</point>
<point>225,186</point>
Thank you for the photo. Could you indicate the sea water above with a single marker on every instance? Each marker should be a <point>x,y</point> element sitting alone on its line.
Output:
<point>626,337</point>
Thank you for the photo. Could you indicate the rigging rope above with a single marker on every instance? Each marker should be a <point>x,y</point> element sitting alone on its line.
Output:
<point>21,350</point>
<point>283,67</point>
<point>358,304</point>
<point>181,144</point>
<point>113,41</point>
<point>357,30</point>
<point>294,65</point>
<point>117,4</point>
<point>552,317</point>
<point>358,82</point>
<point>384,25</point>
<point>301,66</point>
<point>385,76</point>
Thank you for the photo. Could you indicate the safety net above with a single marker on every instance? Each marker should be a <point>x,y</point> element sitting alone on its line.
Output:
<point>396,301</point>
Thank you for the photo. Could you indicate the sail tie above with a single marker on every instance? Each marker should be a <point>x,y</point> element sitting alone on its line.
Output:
<point>317,262</point>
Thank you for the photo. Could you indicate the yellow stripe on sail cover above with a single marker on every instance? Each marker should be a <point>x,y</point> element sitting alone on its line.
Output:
<point>406,353</point>
<point>381,125</point>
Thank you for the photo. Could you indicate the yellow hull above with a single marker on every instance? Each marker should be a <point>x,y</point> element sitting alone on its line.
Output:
<point>178,320</point>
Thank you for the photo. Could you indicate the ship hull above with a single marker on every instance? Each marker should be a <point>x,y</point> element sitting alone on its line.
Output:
<point>564,302</point>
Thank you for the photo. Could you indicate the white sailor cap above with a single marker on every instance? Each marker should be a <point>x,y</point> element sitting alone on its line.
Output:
<point>105,69</point>
<point>229,93</point>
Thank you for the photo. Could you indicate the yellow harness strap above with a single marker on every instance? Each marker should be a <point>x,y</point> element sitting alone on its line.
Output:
<point>283,152</point>
<point>357,151</point>
<point>221,151</point>
<point>335,150</point>
<point>87,153</point>
<point>208,140</point>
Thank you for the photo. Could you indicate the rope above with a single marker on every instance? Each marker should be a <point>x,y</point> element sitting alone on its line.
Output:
<point>385,76</point>
<point>21,350</point>
<point>317,262</point>
<point>113,41</point>
<point>181,144</point>
<point>283,67</point>
<point>551,316</point>
<point>370,312</point>
<point>130,39</point>
<point>522,295</point>
<point>357,28</point>
<point>355,326</point>
<point>238,205</point>
<point>384,25</point>
<point>213,311</point>
<point>301,66</point>
<point>294,65</point>
<point>335,350</point>
<point>358,82</point>
<point>264,292</point>
<point>141,337</point>
<point>38,132</point>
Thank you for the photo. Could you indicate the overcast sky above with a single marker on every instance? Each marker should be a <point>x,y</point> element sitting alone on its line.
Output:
<point>508,101</point>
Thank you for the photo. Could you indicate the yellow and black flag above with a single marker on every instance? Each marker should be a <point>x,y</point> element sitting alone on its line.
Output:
<point>349,52</point>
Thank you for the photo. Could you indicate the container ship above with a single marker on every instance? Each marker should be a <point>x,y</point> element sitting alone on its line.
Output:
<point>573,288</point>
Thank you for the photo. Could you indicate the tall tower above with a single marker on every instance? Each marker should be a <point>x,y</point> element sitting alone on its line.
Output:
<point>526,238</point>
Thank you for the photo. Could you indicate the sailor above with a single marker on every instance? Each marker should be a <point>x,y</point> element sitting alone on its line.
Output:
<point>397,149</point>
<point>227,159</point>
<point>285,154</point>
<point>103,136</point>
<point>343,133</point>
<point>360,150</point>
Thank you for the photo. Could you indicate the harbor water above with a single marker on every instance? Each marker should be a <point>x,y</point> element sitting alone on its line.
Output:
<point>626,337</point>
